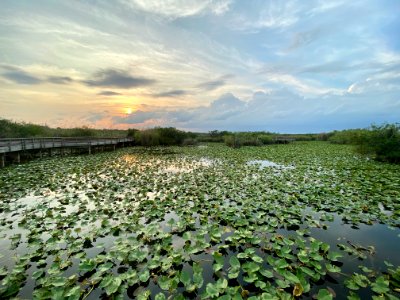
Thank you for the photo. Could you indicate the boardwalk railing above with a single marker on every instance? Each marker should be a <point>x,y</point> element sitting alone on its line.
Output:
<point>21,144</point>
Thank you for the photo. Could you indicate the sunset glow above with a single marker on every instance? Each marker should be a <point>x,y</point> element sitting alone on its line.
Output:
<point>286,66</point>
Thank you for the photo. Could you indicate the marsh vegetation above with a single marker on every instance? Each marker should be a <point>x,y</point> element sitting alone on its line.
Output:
<point>205,222</point>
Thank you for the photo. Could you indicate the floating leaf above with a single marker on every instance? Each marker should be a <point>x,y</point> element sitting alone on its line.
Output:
<point>234,262</point>
<point>324,294</point>
<point>144,275</point>
<point>380,286</point>
<point>332,268</point>
<point>143,295</point>
<point>113,286</point>
<point>185,278</point>
<point>333,256</point>
<point>105,267</point>
<point>37,274</point>
<point>160,296</point>
<point>251,267</point>
<point>211,290</point>
<point>164,282</point>
<point>266,273</point>
<point>74,292</point>
<point>257,259</point>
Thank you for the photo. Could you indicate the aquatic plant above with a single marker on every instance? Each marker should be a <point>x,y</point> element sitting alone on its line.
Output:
<point>202,222</point>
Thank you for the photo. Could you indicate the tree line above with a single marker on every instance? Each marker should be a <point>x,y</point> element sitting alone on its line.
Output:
<point>380,141</point>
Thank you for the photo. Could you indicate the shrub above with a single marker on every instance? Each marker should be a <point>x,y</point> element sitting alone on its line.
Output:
<point>10,129</point>
<point>168,136</point>
<point>266,139</point>
<point>382,141</point>
<point>189,142</point>
<point>250,141</point>
<point>348,137</point>
<point>147,138</point>
<point>232,141</point>
<point>131,132</point>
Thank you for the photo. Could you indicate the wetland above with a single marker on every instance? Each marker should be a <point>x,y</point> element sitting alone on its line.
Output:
<point>307,220</point>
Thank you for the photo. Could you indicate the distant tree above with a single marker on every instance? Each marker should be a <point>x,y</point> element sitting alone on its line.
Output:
<point>383,141</point>
<point>131,132</point>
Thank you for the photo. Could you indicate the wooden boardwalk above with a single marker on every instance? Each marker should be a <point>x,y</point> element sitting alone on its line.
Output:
<point>14,147</point>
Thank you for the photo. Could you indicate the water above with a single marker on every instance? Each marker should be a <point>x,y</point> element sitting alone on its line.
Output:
<point>268,164</point>
<point>385,242</point>
<point>126,206</point>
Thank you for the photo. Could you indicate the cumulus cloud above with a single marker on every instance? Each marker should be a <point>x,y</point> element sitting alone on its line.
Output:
<point>117,79</point>
<point>278,110</point>
<point>319,59</point>
<point>225,107</point>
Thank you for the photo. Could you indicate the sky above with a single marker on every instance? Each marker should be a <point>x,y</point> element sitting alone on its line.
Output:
<point>200,65</point>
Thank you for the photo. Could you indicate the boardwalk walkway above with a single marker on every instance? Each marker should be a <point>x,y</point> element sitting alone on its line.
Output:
<point>14,147</point>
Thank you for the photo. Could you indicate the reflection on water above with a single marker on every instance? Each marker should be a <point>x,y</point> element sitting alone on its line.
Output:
<point>267,164</point>
<point>188,166</point>
<point>385,241</point>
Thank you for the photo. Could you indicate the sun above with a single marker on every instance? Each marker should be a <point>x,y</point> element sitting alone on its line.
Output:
<point>128,111</point>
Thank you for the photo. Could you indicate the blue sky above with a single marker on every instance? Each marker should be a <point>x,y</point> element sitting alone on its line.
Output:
<point>283,66</point>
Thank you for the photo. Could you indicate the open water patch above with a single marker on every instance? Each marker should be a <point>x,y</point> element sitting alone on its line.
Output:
<point>268,164</point>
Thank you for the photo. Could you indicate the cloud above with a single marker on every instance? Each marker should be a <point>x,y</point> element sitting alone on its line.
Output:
<point>227,101</point>
<point>172,93</point>
<point>174,9</point>
<point>177,50</point>
<point>279,110</point>
<point>21,77</point>
<point>304,38</point>
<point>211,85</point>
<point>223,108</point>
<point>380,82</point>
<point>139,117</point>
<point>96,116</point>
<point>214,84</point>
<point>60,79</point>
<point>108,93</point>
<point>268,15</point>
<point>117,79</point>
